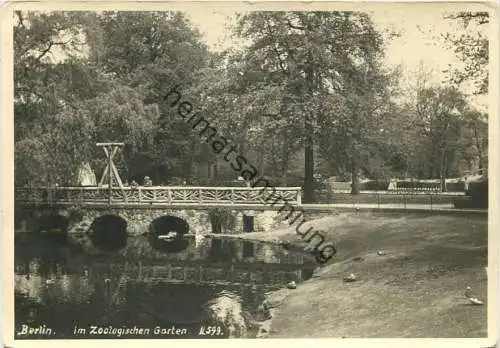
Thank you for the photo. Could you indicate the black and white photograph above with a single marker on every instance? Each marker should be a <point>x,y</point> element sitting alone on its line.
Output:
<point>231,171</point>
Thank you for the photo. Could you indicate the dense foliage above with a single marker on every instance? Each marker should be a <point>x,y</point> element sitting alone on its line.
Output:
<point>306,95</point>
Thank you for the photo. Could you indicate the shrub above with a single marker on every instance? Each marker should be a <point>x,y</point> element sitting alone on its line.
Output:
<point>455,186</point>
<point>375,185</point>
<point>322,192</point>
<point>478,192</point>
<point>222,219</point>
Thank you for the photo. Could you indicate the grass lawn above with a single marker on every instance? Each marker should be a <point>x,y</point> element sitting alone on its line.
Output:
<point>416,289</point>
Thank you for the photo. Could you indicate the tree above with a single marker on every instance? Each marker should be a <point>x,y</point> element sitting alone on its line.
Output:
<point>440,111</point>
<point>154,51</point>
<point>310,57</point>
<point>42,83</point>
<point>71,88</point>
<point>471,47</point>
<point>416,130</point>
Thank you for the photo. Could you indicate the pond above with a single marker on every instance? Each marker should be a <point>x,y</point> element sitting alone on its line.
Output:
<point>208,288</point>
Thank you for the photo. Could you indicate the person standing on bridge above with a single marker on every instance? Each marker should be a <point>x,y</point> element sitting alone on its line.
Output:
<point>147,181</point>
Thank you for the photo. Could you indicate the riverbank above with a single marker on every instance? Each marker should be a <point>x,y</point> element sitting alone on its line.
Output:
<point>414,289</point>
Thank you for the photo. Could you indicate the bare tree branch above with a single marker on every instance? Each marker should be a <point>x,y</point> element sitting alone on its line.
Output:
<point>51,43</point>
<point>20,18</point>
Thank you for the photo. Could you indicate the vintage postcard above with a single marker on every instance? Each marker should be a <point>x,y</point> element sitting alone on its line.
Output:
<point>214,171</point>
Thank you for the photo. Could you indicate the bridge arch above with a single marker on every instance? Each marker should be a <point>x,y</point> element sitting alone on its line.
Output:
<point>109,232</point>
<point>167,232</point>
<point>166,224</point>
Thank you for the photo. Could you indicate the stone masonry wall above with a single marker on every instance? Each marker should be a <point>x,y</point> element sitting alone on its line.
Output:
<point>139,220</point>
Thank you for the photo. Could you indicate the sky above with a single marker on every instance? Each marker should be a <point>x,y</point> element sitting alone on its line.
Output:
<point>419,41</point>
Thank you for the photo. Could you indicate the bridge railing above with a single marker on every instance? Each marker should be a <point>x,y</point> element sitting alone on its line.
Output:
<point>157,194</point>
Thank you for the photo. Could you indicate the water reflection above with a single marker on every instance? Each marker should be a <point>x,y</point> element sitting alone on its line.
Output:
<point>212,282</point>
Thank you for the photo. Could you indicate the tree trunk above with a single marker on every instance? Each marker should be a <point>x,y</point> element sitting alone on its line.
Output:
<point>188,172</point>
<point>262,158</point>
<point>216,170</point>
<point>284,173</point>
<point>443,162</point>
<point>355,171</point>
<point>443,183</point>
<point>442,172</point>
<point>478,146</point>
<point>309,134</point>
<point>309,165</point>
<point>209,171</point>
<point>285,163</point>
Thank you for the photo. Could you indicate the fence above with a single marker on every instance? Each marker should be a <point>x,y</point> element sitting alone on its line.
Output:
<point>402,185</point>
<point>158,195</point>
<point>388,199</point>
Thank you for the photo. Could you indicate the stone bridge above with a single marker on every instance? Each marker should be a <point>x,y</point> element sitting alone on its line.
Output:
<point>114,214</point>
